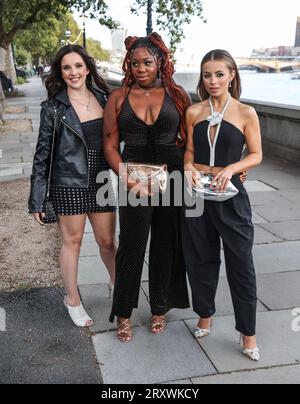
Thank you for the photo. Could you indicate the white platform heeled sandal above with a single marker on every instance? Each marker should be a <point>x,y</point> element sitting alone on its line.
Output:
<point>252,354</point>
<point>78,315</point>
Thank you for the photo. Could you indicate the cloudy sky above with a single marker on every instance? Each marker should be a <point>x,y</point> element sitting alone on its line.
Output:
<point>235,25</point>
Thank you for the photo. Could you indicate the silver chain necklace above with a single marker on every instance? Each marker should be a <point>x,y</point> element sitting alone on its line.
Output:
<point>147,93</point>
<point>86,106</point>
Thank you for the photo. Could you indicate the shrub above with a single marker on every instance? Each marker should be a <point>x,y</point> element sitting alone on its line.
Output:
<point>21,80</point>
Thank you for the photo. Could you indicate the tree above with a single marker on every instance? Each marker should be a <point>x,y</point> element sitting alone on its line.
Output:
<point>171,15</point>
<point>22,57</point>
<point>43,39</point>
<point>95,49</point>
<point>16,15</point>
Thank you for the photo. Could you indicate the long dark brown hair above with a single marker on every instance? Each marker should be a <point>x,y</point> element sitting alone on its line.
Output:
<point>224,56</point>
<point>55,82</point>
<point>158,49</point>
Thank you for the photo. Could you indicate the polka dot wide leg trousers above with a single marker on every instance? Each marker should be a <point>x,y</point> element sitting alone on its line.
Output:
<point>167,275</point>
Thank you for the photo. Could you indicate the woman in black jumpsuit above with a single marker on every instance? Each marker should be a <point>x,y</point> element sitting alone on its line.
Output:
<point>218,129</point>
<point>148,121</point>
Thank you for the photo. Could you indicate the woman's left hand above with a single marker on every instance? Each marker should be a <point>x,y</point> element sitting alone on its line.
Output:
<point>244,176</point>
<point>222,179</point>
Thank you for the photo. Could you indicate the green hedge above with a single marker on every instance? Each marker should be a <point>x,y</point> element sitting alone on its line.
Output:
<point>21,80</point>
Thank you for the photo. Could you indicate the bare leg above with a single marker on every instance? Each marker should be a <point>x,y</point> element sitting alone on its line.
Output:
<point>249,342</point>
<point>72,229</point>
<point>205,323</point>
<point>104,227</point>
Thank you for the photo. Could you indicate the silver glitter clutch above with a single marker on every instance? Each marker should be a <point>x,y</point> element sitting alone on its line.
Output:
<point>155,175</point>
<point>204,190</point>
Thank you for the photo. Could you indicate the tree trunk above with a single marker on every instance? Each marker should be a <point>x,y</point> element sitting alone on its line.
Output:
<point>2,103</point>
<point>2,96</point>
<point>10,65</point>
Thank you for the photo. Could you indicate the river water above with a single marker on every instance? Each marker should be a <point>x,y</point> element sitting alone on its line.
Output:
<point>276,87</point>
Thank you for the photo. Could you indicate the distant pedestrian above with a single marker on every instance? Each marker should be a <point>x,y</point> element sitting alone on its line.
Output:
<point>77,96</point>
<point>218,129</point>
<point>7,83</point>
<point>40,70</point>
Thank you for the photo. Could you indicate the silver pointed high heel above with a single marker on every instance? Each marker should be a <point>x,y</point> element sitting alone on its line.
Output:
<point>252,354</point>
<point>202,332</point>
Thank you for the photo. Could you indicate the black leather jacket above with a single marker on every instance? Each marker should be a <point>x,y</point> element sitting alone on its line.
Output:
<point>70,158</point>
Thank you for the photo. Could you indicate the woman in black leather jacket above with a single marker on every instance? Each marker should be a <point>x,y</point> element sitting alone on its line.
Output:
<point>76,98</point>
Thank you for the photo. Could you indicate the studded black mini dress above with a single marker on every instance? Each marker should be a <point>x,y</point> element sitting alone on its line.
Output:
<point>78,201</point>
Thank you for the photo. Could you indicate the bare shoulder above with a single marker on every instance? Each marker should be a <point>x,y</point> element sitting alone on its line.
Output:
<point>116,99</point>
<point>196,110</point>
<point>117,93</point>
<point>247,112</point>
<point>184,91</point>
<point>185,95</point>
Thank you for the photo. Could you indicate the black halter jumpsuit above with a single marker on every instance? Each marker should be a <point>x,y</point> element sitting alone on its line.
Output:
<point>230,221</point>
<point>154,144</point>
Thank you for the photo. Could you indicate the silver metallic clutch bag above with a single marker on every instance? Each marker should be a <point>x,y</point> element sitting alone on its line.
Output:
<point>155,175</point>
<point>204,191</point>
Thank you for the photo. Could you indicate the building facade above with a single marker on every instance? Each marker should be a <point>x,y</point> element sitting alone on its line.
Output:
<point>297,39</point>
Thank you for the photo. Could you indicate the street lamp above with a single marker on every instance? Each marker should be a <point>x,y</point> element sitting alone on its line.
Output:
<point>149,17</point>
<point>83,31</point>
<point>68,36</point>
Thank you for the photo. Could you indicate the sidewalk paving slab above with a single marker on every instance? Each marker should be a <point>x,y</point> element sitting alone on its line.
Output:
<point>257,186</point>
<point>278,257</point>
<point>280,291</point>
<point>89,248</point>
<point>282,375</point>
<point>273,258</point>
<point>186,381</point>
<point>263,236</point>
<point>293,195</point>
<point>279,213</point>
<point>173,355</point>
<point>278,342</point>
<point>91,270</point>
<point>277,179</point>
<point>256,219</point>
<point>268,198</point>
<point>289,230</point>
<point>97,303</point>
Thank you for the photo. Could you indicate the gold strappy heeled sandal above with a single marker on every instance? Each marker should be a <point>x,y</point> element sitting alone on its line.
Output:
<point>158,324</point>
<point>124,330</point>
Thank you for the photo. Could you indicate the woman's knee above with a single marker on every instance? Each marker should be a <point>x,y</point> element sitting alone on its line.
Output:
<point>74,241</point>
<point>107,245</point>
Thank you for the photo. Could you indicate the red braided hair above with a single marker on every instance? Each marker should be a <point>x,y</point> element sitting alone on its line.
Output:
<point>159,50</point>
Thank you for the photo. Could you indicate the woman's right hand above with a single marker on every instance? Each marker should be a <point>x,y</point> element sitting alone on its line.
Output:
<point>141,189</point>
<point>193,175</point>
<point>38,218</point>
